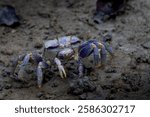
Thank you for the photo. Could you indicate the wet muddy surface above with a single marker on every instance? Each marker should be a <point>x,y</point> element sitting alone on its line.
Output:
<point>126,76</point>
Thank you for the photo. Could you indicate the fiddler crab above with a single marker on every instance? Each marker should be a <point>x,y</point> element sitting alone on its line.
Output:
<point>64,49</point>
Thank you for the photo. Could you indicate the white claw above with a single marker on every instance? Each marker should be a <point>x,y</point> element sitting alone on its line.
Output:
<point>64,72</point>
<point>61,69</point>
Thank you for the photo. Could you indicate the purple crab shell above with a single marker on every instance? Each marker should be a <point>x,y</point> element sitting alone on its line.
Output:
<point>62,41</point>
<point>51,44</point>
<point>68,40</point>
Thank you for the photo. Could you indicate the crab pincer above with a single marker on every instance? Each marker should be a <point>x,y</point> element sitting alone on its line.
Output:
<point>60,68</point>
<point>88,48</point>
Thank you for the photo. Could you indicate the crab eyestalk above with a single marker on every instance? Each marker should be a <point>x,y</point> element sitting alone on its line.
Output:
<point>60,68</point>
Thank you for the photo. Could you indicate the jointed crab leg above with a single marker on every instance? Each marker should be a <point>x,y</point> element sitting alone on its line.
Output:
<point>26,59</point>
<point>39,72</point>
<point>80,68</point>
<point>106,43</point>
<point>60,68</point>
<point>108,48</point>
<point>22,66</point>
<point>96,54</point>
<point>103,56</point>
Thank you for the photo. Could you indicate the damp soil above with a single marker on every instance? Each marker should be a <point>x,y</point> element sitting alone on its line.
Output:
<point>126,76</point>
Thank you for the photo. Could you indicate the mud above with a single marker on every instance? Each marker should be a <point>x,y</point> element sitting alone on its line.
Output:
<point>127,76</point>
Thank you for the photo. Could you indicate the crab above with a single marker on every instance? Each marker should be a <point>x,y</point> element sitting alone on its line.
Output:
<point>8,16</point>
<point>93,53</point>
<point>108,8</point>
<point>64,49</point>
<point>54,53</point>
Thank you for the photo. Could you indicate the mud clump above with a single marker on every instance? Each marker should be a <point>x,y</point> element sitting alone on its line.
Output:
<point>81,85</point>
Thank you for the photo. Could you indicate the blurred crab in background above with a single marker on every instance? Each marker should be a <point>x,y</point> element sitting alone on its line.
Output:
<point>108,8</point>
<point>8,16</point>
<point>94,53</point>
<point>55,51</point>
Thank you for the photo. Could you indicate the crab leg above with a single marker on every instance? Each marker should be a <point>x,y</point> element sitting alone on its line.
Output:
<point>39,72</point>
<point>39,75</point>
<point>108,48</point>
<point>103,56</point>
<point>22,66</point>
<point>60,68</point>
<point>107,44</point>
<point>96,54</point>
<point>80,68</point>
<point>26,59</point>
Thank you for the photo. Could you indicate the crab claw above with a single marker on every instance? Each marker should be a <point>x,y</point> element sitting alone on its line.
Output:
<point>60,68</point>
<point>86,49</point>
